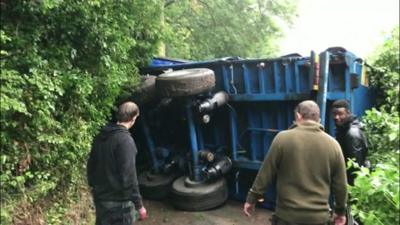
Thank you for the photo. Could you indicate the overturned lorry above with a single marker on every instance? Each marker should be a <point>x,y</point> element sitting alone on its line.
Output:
<point>205,127</point>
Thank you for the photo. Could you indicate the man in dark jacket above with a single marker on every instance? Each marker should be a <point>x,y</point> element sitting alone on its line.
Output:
<point>307,164</point>
<point>111,171</point>
<point>350,136</point>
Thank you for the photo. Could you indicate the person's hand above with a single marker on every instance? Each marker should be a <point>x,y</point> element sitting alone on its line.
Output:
<point>248,208</point>
<point>339,220</point>
<point>142,213</point>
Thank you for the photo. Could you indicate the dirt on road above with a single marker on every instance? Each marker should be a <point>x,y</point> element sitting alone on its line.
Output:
<point>163,213</point>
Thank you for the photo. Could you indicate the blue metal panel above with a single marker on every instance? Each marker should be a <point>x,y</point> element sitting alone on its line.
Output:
<point>253,142</point>
<point>297,77</point>
<point>335,95</point>
<point>226,73</point>
<point>262,73</point>
<point>270,78</point>
<point>253,72</point>
<point>233,132</point>
<point>305,78</point>
<point>287,78</point>
<point>347,85</point>
<point>264,123</point>
<point>246,79</point>
<point>238,78</point>
<point>364,98</point>
<point>277,79</point>
<point>269,97</point>
<point>282,123</point>
<point>337,78</point>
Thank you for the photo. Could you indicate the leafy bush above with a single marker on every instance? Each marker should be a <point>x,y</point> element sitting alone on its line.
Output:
<point>62,66</point>
<point>375,193</point>
<point>382,123</point>
<point>382,130</point>
<point>385,72</point>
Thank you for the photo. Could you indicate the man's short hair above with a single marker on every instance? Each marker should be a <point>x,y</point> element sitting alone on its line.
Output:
<point>309,110</point>
<point>341,103</point>
<point>126,111</point>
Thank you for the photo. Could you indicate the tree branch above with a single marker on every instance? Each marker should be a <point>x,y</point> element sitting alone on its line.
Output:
<point>168,3</point>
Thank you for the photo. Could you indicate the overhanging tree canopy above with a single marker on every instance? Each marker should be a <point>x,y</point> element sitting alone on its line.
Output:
<point>204,29</point>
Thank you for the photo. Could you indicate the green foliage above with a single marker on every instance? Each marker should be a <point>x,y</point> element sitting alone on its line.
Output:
<point>382,130</point>
<point>376,194</point>
<point>63,64</point>
<point>382,123</point>
<point>384,73</point>
<point>218,28</point>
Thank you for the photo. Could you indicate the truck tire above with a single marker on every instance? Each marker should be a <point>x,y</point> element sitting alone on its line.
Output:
<point>146,90</point>
<point>185,82</point>
<point>155,186</point>
<point>198,197</point>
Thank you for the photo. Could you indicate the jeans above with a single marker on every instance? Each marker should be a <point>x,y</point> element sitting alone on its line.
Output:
<point>114,213</point>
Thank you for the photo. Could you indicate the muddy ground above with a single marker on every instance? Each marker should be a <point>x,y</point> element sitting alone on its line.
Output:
<point>163,213</point>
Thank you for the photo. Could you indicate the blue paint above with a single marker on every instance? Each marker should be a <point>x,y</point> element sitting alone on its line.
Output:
<point>276,74</point>
<point>150,144</point>
<point>246,79</point>
<point>233,132</point>
<point>297,77</point>
<point>196,169</point>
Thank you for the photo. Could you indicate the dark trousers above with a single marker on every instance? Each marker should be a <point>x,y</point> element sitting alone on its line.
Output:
<point>114,213</point>
<point>278,221</point>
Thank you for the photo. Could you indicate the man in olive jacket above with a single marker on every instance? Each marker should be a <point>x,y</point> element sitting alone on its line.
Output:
<point>307,164</point>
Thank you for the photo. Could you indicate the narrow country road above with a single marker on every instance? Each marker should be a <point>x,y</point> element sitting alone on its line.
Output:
<point>230,213</point>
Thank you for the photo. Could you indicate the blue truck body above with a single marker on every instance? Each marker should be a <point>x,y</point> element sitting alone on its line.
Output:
<point>262,96</point>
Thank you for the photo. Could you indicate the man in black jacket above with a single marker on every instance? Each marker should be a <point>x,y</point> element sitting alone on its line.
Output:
<point>111,171</point>
<point>350,136</point>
